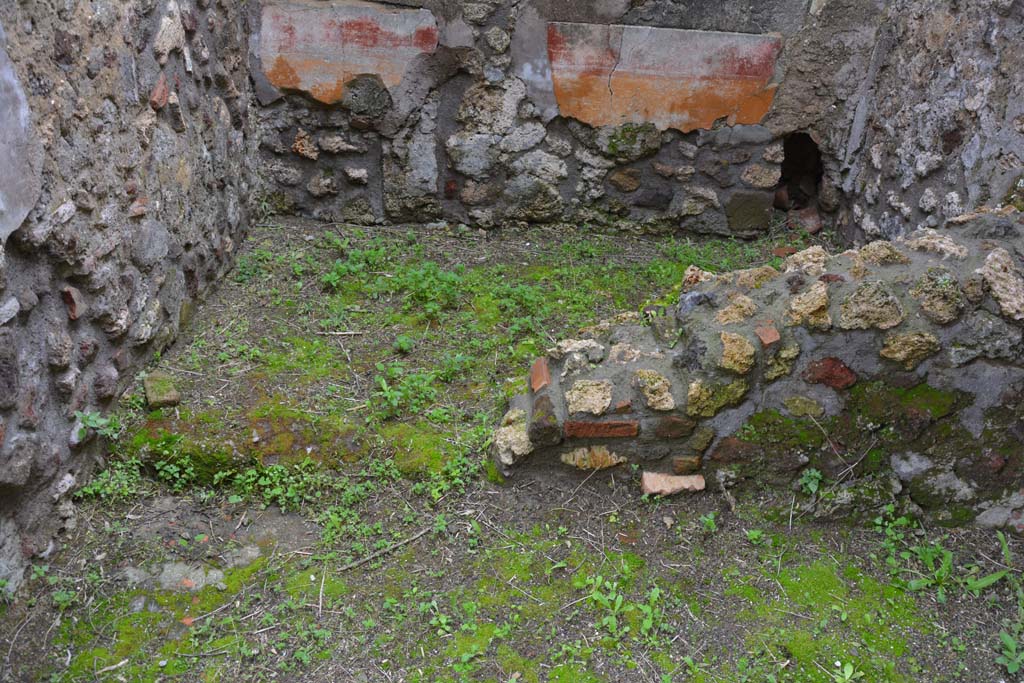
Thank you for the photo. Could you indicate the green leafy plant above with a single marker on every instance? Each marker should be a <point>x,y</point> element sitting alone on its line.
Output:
<point>63,599</point>
<point>399,391</point>
<point>810,481</point>
<point>120,480</point>
<point>1011,655</point>
<point>937,569</point>
<point>612,602</point>
<point>403,344</point>
<point>709,522</point>
<point>846,673</point>
<point>107,427</point>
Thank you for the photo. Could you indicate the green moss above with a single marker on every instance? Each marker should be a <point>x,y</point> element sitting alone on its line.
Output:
<point>876,400</point>
<point>571,673</point>
<point>510,660</point>
<point>309,359</point>
<point>470,642</point>
<point>306,584</point>
<point>832,612</point>
<point>492,472</point>
<point>209,597</point>
<point>770,427</point>
<point>419,448</point>
<point>938,403</point>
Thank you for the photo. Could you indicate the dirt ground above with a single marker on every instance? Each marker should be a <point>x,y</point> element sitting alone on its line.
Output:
<point>320,506</point>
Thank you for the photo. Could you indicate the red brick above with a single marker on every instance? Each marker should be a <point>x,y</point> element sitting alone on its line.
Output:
<point>540,374</point>
<point>161,91</point>
<point>829,278</point>
<point>831,372</point>
<point>805,219</point>
<point>623,407</point>
<point>614,429</point>
<point>74,301</point>
<point>768,335</point>
<point>783,252</point>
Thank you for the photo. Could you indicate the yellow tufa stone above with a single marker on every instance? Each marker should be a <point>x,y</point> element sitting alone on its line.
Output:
<point>1004,279</point>
<point>694,276</point>
<point>882,253</point>
<point>802,406</point>
<point>739,309</point>
<point>705,400</point>
<point>761,175</point>
<point>909,348</point>
<point>810,261</point>
<point>781,364</point>
<point>659,484</point>
<point>738,354</point>
<point>870,305</point>
<point>657,390</point>
<point>592,458</point>
<point>932,241</point>
<point>589,396</point>
<point>754,278</point>
<point>939,295</point>
<point>811,308</point>
<point>511,440</point>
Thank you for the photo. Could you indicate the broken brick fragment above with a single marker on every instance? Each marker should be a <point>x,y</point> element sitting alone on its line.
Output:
<point>768,335</point>
<point>831,372</point>
<point>161,91</point>
<point>540,374</point>
<point>614,429</point>
<point>74,301</point>
<point>658,484</point>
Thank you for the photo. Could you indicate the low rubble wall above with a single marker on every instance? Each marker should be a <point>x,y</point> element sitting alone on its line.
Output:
<point>895,370</point>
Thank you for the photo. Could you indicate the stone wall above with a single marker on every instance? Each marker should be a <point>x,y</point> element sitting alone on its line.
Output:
<point>124,139</point>
<point>940,127</point>
<point>135,136</point>
<point>540,111</point>
<point>661,114</point>
<point>896,369</point>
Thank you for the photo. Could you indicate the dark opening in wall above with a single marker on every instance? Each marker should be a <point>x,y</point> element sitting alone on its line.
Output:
<point>801,172</point>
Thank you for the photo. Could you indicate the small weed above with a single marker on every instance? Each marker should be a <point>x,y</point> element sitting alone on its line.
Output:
<point>63,599</point>
<point>403,344</point>
<point>120,480</point>
<point>178,473</point>
<point>846,673</point>
<point>755,537</point>
<point>107,427</point>
<point>709,522</point>
<point>810,481</point>
<point>399,391</point>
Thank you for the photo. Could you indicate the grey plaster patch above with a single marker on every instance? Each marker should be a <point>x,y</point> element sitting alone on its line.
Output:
<point>19,175</point>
